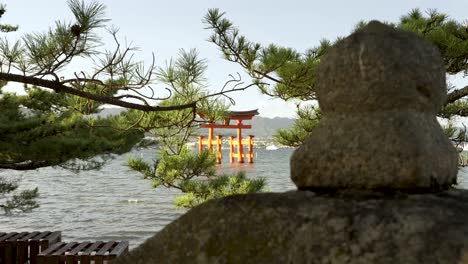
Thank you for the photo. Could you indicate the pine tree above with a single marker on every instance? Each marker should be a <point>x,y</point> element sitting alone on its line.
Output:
<point>56,110</point>
<point>46,128</point>
<point>290,75</point>
<point>25,200</point>
<point>43,129</point>
<point>54,124</point>
<point>176,166</point>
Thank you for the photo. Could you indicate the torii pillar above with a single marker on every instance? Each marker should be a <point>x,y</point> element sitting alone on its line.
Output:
<point>237,116</point>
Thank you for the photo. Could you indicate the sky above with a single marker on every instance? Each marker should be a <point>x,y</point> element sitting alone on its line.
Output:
<point>165,27</point>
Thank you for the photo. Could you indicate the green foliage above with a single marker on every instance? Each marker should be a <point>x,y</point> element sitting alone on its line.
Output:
<point>87,106</point>
<point>176,166</point>
<point>5,27</point>
<point>213,110</point>
<point>184,74</point>
<point>44,128</point>
<point>184,77</point>
<point>37,131</point>
<point>459,136</point>
<point>450,36</point>
<point>185,83</point>
<point>139,165</point>
<point>11,201</point>
<point>293,73</point>
<point>23,201</point>
<point>308,119</point>
<point>463,161</point>
<point>43,59</point>
<point>53,50</point>
<point>200,191</point>
<point>457,108</point>
<point>194,175</point>
<point>183,166</point>
<point>173,170</point>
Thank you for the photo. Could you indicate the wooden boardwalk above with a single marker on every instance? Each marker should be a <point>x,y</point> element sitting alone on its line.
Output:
<point>46,247</point>
<point>83,253</point>
<point>23,247</point>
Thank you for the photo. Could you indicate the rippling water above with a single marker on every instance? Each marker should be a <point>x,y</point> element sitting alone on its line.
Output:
<point>116,203</point>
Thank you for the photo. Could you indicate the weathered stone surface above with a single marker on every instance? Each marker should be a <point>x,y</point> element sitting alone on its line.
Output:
<point>301,227</point>
<point>379,90</point>
<point>380,68</point>
<point>403,153</point>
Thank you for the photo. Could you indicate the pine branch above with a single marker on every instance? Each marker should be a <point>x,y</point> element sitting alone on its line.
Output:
<point>456,95</point>
<point>58,87</point>
<point>32,165</point>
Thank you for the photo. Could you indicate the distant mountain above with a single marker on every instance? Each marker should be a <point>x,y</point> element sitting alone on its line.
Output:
<point>261,126</point>
<point>266,127</point>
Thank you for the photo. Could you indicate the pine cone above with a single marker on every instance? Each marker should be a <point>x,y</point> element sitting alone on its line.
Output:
<point>76,30</point>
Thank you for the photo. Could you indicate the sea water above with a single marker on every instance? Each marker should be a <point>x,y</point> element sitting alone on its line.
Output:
<point>116,203</point>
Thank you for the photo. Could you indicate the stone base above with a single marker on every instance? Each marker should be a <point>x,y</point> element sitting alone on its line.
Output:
<point>302,227</point>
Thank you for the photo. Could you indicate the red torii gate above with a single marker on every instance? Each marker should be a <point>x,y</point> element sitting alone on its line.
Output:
<point>238,116</point>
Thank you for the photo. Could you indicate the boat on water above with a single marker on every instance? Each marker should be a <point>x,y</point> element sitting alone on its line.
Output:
<point>271,147</point>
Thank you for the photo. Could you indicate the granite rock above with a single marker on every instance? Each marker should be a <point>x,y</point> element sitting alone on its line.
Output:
<point>380,68</point>
<point>301,227</point>
<point>409,151</point>
<point>379,90</point>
